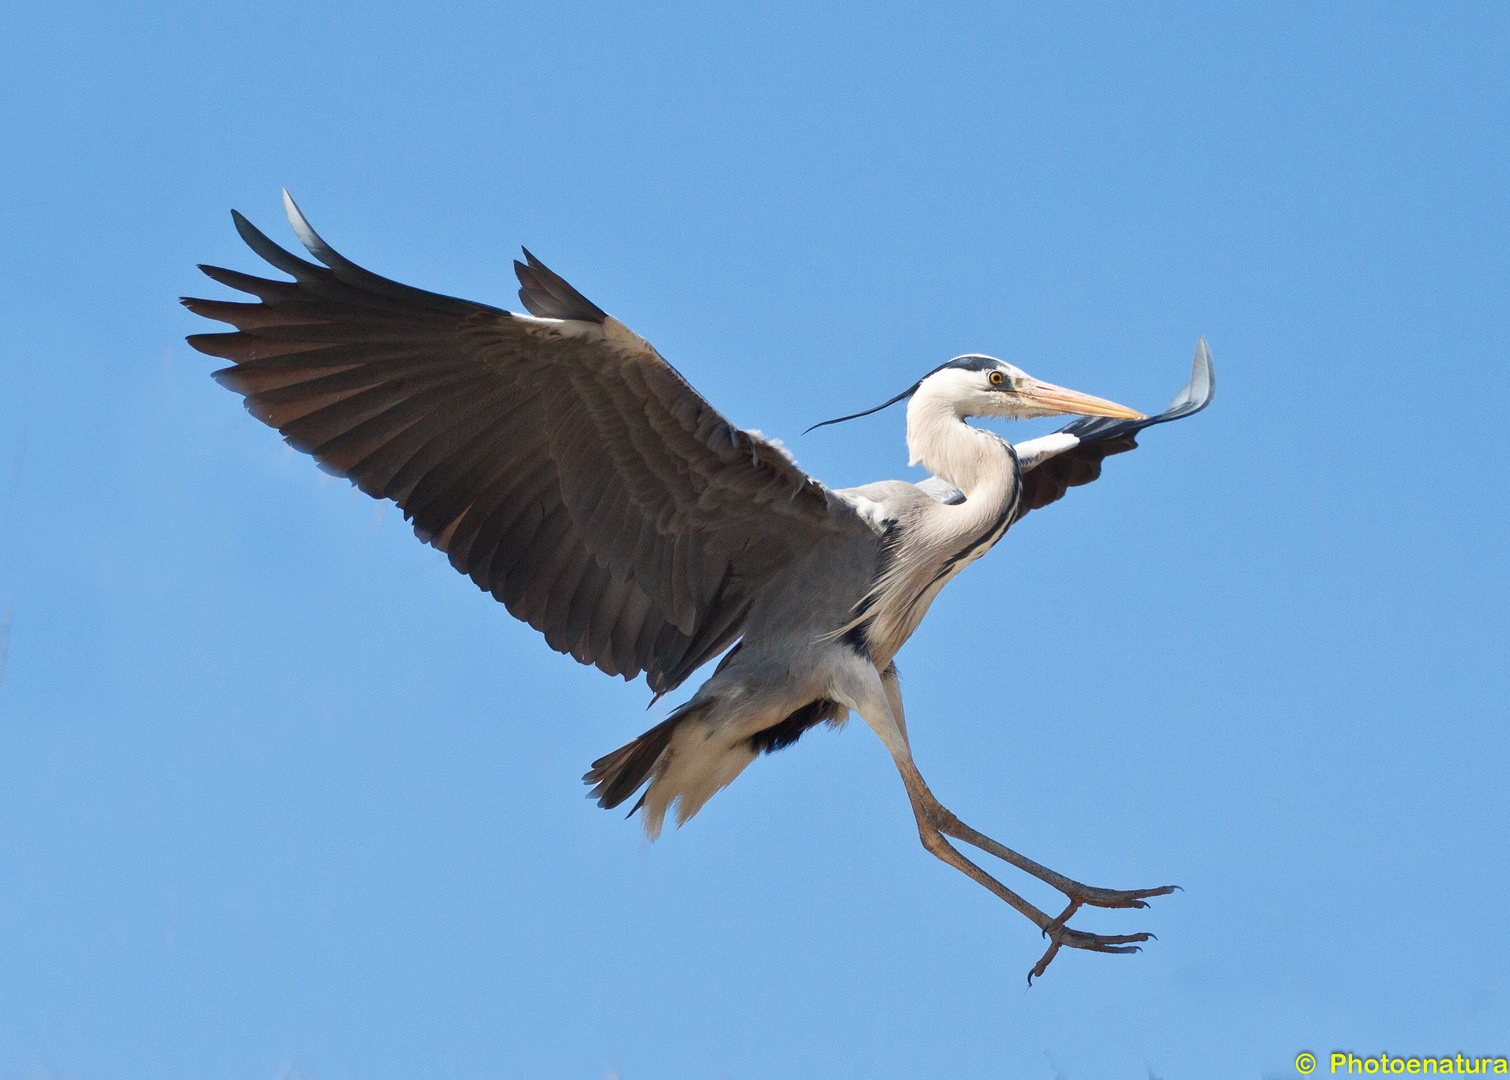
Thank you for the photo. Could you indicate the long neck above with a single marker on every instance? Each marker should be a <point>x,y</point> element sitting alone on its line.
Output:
<point>947,538</point>
<point>975,461</point>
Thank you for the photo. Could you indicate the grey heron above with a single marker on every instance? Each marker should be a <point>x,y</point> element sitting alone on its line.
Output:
<point>565,467</point>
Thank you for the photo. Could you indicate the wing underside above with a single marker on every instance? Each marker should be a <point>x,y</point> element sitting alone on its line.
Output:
<point>558,460</point>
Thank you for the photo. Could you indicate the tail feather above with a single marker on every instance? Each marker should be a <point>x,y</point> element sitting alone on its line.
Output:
<point>618,775</point>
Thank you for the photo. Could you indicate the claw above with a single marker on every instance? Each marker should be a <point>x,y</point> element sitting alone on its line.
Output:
<point>1043,964</point>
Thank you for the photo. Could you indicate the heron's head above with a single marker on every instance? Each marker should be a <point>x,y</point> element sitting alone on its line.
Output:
<point>977,385</point>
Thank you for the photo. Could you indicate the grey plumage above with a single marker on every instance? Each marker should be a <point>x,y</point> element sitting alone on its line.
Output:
<point>566,468</point>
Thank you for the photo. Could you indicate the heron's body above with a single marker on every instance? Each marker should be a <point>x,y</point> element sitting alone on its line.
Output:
<point>820,633</point>
<point>566,468</point>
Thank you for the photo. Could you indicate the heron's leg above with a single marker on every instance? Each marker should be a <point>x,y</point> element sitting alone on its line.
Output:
<point>1054,929</point>
<point>1076,891</point>
<point>864,692</point>
<point>947,823</point>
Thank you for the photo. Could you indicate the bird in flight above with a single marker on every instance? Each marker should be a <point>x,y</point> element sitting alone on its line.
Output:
<point>566,468</point>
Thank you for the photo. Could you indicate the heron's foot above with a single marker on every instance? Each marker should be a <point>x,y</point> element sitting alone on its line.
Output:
<point>1060,935</point>
<point>1054,929</point>
<point>1078,893</point>
<point>935,822</point>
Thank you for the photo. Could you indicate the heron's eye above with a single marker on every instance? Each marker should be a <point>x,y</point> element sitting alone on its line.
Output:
<point>996,378</point>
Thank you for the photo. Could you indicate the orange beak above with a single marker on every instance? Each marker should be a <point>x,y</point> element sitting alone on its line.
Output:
<point>1056,399</point>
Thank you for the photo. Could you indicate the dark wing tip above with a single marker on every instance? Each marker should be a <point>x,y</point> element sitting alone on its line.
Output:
<point>547,295</point>
<point>1101,437</point>
<point>1192,398</point>
<point>274,254</point>
<point>220,346</point>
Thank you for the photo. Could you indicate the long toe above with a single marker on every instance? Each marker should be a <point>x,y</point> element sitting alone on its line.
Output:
<point>1123,943</point>
<point>1077,939</point>
<point>1115,898</point>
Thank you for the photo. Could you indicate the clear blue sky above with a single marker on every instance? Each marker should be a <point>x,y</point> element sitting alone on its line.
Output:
<point>282,795</point>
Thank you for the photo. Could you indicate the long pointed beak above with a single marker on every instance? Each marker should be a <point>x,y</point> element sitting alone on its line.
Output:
<point>1057,399</point>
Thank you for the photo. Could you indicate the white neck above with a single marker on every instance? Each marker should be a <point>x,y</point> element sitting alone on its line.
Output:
<point>977,462</point>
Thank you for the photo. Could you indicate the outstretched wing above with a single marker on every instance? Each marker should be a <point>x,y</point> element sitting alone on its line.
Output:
<point>556,458</point>
<point>1090,440</point>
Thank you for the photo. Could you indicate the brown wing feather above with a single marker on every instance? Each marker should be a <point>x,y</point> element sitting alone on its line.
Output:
<point>575,476</point>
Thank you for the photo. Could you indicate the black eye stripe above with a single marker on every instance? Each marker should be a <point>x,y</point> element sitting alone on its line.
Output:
<point>970,362</point>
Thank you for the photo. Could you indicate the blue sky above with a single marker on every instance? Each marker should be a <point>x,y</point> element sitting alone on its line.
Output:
<point>281,795</point>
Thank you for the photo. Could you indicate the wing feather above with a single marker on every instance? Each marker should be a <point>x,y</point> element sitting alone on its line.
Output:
<point>1098,438</point>
<point>559,461</point>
